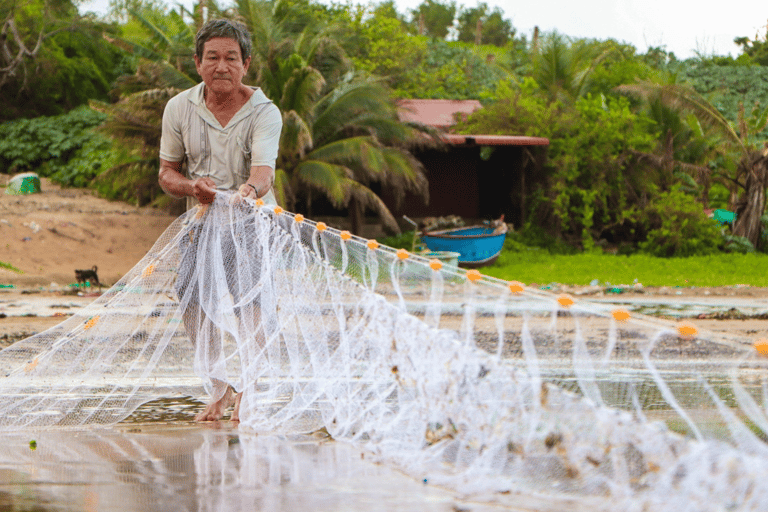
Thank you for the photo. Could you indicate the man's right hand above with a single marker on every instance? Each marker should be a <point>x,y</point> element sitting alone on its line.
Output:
<point>204,190</point>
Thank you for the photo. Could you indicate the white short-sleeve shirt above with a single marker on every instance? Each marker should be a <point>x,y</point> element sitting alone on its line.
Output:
<point>224,154</point>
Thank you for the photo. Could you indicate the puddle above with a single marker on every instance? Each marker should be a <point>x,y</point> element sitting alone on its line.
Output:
<point>214,467</point>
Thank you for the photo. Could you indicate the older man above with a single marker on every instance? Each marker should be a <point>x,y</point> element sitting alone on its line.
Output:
<point>229,133</point>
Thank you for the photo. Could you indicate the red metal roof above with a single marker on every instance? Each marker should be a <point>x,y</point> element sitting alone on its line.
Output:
<point>495,140</point>
<point>436,113</point>
<point>442,114</point>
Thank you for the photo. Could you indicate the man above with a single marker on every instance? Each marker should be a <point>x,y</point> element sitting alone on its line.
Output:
<point>229,134</point>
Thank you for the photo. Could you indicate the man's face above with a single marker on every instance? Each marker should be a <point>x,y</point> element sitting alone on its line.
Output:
<point>222,67</point>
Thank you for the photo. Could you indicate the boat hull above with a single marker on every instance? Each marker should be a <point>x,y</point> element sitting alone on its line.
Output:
<point>477,245</point>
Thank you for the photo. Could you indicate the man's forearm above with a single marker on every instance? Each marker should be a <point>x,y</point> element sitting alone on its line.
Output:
<point>261,179</point>
<point>173,183</point>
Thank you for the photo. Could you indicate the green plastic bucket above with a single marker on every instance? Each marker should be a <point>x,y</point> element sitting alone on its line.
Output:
<point>23,184</point>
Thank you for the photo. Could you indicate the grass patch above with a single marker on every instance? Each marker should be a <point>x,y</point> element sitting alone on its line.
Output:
<point>10,267</point>
<point>541,267</point>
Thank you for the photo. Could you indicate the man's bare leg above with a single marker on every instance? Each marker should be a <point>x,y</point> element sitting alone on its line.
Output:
<point>215,410</point>
<point>236,409</point>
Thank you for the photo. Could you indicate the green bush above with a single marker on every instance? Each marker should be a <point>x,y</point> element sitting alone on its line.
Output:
<point>27,144</point>
<point>678,226</point>
<point>96,156</point>
<point>734,243</point>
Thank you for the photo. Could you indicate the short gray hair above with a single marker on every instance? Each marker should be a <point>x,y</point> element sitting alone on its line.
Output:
<point>224,28</point>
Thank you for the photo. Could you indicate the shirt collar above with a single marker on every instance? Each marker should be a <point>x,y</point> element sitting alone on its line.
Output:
<point>257,98</point>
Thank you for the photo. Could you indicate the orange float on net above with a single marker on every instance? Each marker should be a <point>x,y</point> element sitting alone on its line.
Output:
<point>321,226</point>
<point>278,210</point>
<point>565,301</point>
<point>259,202</point>
<point>474,275</point>
<point>516,287</point>
<point>373,245</point>
<point>298,217</point>
<point>31,365</point>
<point>620,315</point>
<point>761,346</point>
<point>201,209</point>
<point>148,270</point>
<point>435,264</point>
<point>402,254</point>
<point>345,235</point>
<point>687,330</point>
<point>91,322</point>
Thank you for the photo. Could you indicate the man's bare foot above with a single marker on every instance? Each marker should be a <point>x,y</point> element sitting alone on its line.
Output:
<point>215,411</point>
<point>236,410</point>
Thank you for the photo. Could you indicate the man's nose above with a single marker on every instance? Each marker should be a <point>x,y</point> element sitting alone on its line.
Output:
<point>221,64</point>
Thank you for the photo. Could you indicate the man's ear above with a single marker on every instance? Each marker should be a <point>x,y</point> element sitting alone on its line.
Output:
<point>247,63</point>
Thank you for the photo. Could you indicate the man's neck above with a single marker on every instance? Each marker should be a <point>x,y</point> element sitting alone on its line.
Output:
<point>225,106</point>
<point>224,101</point>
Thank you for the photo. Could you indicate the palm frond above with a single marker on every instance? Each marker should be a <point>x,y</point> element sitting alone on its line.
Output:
<point>157,33</point>
<point>283,193</point>
<point>367,199</point>
<point>682,97</point>
<point>301,90</point>
<point>360,154</point>
<point>295,139</point>
<point>329,179</point>
<point>347,105</point>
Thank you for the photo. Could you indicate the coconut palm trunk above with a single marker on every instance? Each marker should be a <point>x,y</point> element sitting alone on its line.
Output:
<point>751,205</point>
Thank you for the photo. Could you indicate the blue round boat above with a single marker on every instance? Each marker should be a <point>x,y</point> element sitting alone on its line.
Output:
<point>477,245</point>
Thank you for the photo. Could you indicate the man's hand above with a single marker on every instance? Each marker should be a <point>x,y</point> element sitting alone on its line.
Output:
<point>204,190</point>
<point>246,190</point>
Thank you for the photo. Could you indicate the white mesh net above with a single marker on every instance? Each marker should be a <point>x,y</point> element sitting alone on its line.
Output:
<point>459,379</point>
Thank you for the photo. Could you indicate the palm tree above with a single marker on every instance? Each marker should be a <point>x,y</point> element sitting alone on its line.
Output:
<point>340,131</point>
<point>752,161</point>
<point>339,143</point>
<point>563,68</point>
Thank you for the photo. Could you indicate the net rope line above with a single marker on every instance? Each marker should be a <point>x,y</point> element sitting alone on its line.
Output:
<point>449,375</point>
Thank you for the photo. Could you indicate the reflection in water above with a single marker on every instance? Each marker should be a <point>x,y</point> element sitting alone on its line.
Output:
<point>188,467</point>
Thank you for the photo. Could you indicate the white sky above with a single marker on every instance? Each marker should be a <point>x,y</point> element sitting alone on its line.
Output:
<point>682,26</point>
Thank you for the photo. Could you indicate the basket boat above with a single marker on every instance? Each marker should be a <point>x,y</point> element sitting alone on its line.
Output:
<point>477,245</point>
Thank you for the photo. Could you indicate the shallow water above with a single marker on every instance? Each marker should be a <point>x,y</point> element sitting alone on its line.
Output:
<point>191,467</point>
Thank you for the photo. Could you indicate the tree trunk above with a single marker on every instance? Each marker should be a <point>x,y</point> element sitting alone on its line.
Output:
<point>356,218</point>
<point>751,205</point>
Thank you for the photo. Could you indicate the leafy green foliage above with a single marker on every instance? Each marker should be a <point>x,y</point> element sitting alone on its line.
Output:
<point>727,86</point>
<point>679,227</point>
<point>433,18</point>
<point>594,181</point>
<point>26,144</point>
<point>97,155</point>
<point>756,49</point>
<point>73,63</point>
<point>734,243</point>
<point>494,28</point>
<point>10,267</point>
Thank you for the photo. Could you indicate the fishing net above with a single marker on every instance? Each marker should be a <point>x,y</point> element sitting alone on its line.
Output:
<point>483,386</point>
